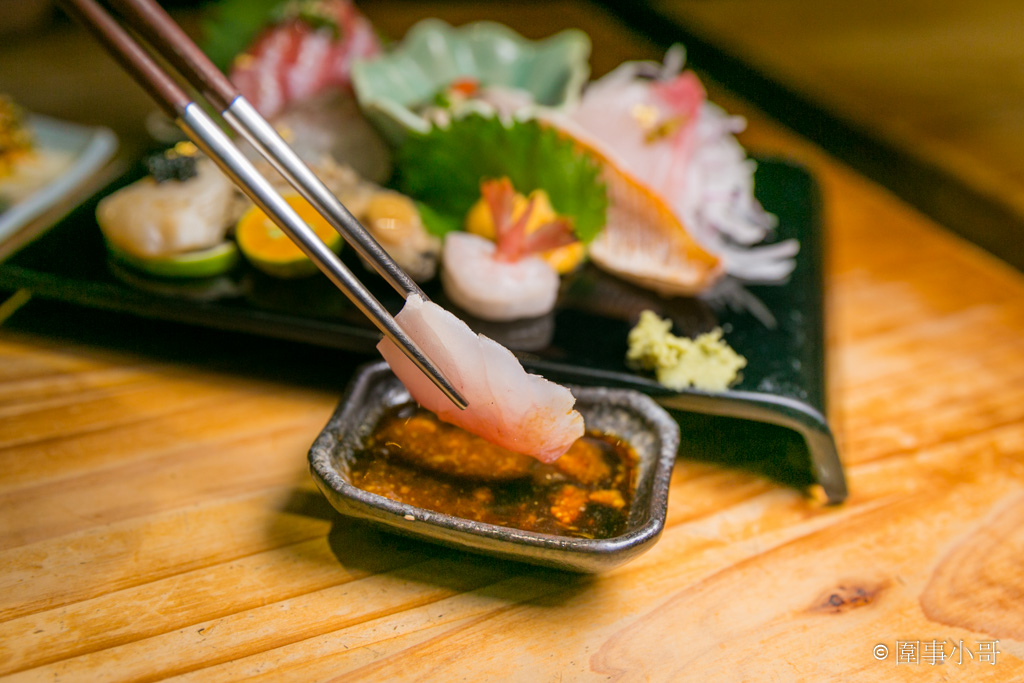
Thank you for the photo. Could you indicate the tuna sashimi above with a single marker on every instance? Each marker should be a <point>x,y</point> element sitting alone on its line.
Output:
<point>298,57</point>
<point>507,406</point>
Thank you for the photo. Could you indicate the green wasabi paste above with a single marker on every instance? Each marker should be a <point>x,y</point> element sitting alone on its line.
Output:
<point>707,362</point>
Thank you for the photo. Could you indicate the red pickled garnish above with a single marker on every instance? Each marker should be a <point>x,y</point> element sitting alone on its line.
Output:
<point>466,85</point>
<point>684,94</point>
<point>551,235</point>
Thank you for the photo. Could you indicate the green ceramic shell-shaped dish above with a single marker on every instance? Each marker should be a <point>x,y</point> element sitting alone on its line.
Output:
<point>433,54</point>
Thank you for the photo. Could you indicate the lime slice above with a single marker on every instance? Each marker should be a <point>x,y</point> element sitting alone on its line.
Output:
<point>269,249</point>
<point>190,264</point>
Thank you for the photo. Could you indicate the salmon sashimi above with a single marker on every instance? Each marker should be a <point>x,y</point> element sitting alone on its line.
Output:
<point>509,407</point>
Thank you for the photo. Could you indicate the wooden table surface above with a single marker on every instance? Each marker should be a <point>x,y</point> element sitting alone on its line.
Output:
<point>157,518</point>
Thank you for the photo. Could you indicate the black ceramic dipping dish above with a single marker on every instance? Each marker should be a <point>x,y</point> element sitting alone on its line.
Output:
<point>632,416</point>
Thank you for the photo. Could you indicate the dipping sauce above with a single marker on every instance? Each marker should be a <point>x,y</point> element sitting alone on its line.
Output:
<point>414,458</point>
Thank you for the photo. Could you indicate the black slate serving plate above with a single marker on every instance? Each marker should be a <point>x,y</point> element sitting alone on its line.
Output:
<point>778,328</point>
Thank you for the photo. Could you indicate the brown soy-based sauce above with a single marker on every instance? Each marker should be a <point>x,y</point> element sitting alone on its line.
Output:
<point>414,458</point>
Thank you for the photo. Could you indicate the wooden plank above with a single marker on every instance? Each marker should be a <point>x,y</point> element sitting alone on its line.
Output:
<point>202,421</point>
<point>252,460</point>
<point>192,597</point>
<point>113,557</point>
<point>275,625</point>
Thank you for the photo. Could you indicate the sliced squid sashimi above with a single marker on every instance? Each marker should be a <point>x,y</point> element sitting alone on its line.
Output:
<point>492,289</point>
<point>519,411</point>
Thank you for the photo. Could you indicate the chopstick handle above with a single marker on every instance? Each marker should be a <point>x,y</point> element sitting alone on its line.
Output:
<point>136,61</point>
<point>157,27</point>
<point>164,35</point>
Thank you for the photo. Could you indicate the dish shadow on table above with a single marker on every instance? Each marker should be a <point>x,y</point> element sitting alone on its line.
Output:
<point>363,548</point>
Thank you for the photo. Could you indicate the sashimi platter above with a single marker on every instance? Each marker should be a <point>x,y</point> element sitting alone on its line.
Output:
<point>607,231</point>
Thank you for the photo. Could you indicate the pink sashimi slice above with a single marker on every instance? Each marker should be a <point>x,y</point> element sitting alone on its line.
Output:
<point>292,61</point>
<point>507,406</point>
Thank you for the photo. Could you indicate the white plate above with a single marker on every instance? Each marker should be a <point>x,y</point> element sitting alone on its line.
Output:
<point>67,154</point>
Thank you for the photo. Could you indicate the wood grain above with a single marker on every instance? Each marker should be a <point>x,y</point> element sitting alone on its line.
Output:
<point>157,519</point>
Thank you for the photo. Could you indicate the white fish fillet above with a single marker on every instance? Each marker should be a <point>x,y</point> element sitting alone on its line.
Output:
<point>708,183</point>
<point>507,406</point>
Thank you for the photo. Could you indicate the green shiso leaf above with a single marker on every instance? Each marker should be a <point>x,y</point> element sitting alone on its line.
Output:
<point>443,169</point>
<point>232,25</point>
<point>436,223</point>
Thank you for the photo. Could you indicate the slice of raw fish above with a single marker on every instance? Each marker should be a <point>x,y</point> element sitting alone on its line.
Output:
<point>667,137</point>
<point>644,241</point>
<point>293,60</point>
<point>507,406</point>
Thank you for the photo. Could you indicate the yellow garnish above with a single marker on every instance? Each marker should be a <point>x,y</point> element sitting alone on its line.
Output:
<point>15,138</point>
<point>243,60</point>
<point>654,126</point>
<point>706,362</point>
<point>665,129</point>
<point>272,251</point>
<point>185,149</point>
<point>644,114</point>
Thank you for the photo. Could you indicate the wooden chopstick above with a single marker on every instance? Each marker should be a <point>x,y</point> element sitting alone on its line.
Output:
<point>208,136</point>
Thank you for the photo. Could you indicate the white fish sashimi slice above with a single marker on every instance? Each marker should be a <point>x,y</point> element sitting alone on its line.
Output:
<point>459,354</point>
<point>501,372</point>
<point>519,401</point>
<point>507,406</point>
<point>643,241</point>
<point>462,352</point>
